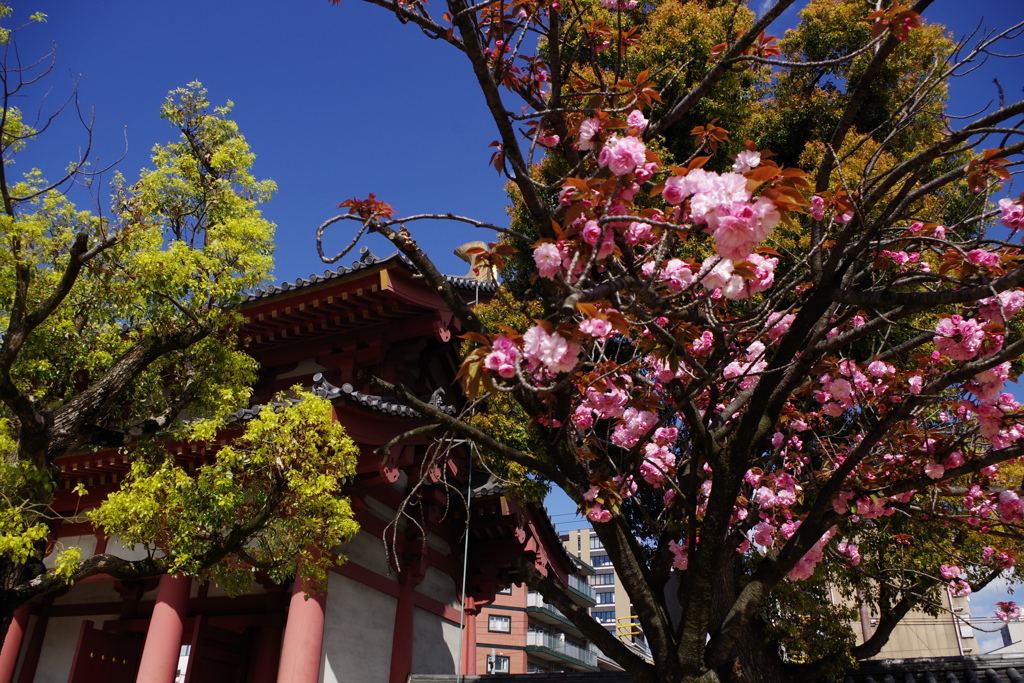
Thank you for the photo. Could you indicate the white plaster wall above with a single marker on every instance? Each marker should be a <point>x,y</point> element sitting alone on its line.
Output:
<point>86,542</point>
<point>435,645</point>
<point>305,370</point>
<point>89,592</point>
<point>358,630</point>
<point>366,551</point>
<point>438,585</point>
<point>115,547</point>
<point>216,591</point>
<point>58,649</point>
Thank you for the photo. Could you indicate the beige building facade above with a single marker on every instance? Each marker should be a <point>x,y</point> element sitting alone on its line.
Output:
<point>613,608</point>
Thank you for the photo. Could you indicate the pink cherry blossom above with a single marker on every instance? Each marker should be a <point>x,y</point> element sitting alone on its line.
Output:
<point>637,233</point>
<point>622,5</point>
<point>955,459</point>
<point>677,275</point>
<point>588,129</point>
<point>548,258</point>
<point>984,258</point>
<point>851,551</point>
<point>502,359</point>
<point>959,588</point>
<point>950,571</point>
<point>958,338</point>
<point>597,328</point>
<point>934,470</point>
<point>1012,214</point>
<point>636,118</point>
<point>680,560</point>
<point>1001,307</point>
<point>779,324</point>
<point>598,514</point>
<point>656,465</point>
<point>548,140</point>
<point>817,208</point>
<point>552,351</point>
<point>622,155</point>
<point>1008,611</point>
<point>746,160</point>
<point>764,534</point>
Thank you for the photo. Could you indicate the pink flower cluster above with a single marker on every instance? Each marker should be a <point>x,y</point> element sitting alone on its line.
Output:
<point>502,359</point>
<point>1012,214</point>
<point>622,155</point>
<point>619,4</point>
<point>748,369</point>
<point>1002,307</point>
<point>722,279</point>
<point>1008,611</point>
<point>959,588</point>
<point>604,405</point>
<point>804,568</point>
<point>659,462</point>
<point>680,560</point>
<point>635,423</point>
<point>676,274</point>
<point>552,352</point>
<point>959,338</point>
<point>851,551</point>
<point>737,221</point>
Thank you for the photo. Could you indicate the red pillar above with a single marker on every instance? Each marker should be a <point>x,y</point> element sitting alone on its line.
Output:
<point>266,656</point>
<point>401,646</point>
<point>12,644</point>
<point>469,639</point>
<point>303,637</point>
<point>163,639</point>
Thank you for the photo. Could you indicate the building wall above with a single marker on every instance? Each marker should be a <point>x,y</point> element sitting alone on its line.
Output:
<point>922,635</point>
<point>585,545</point>
<point>510,605</point>
<point>514,605</point>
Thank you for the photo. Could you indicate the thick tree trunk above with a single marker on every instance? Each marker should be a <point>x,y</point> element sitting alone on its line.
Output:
<point>755,659</point>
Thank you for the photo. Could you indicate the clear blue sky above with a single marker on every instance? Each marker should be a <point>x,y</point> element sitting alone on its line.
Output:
<point>336,102</point>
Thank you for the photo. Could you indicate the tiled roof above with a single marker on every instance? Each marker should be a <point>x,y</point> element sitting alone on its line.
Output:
<point>381,404</point>
<point>324,389</point>
<point>979,669</point>
<point>566,677</point>
<point>367,259</point>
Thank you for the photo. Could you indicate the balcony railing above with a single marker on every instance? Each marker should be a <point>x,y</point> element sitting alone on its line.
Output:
<point>546,641</point>
<point>582,587</point>
<point>537,600</point>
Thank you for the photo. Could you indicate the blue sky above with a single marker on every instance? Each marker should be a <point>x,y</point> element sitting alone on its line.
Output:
<point>336,102</point>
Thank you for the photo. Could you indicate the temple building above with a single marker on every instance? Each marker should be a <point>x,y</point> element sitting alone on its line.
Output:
<point>407,604</point>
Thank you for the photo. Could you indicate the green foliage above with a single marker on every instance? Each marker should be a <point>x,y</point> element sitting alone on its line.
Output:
<point>274,492</point>
<point>187,240</point>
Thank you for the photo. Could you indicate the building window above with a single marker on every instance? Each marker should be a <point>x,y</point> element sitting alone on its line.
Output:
<point>602,579</point>
<point>595,542</point>
<point>600,561</point>
<point>532,668</point>
<point>499,623</point>
<point>605,597</point>
<point>507,590</point>
<point>498,664</point>
<point>605,617</point>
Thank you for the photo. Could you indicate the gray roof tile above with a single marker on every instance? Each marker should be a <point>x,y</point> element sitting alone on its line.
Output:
<point>366,260</point>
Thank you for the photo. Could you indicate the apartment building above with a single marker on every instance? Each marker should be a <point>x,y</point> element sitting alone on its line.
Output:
<point>612,606</point>
<point>520,633</point>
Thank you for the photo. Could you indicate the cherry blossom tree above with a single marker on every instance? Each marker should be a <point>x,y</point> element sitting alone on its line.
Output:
<point>763,377</point>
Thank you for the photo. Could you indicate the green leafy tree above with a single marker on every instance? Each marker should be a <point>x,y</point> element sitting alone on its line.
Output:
<point>116,326</point>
